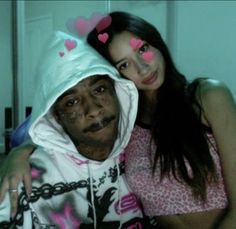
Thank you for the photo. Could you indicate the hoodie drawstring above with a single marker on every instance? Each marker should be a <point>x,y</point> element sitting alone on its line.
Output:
<point>119,190</point>
<point>116,162</point>
<point>92,198</point>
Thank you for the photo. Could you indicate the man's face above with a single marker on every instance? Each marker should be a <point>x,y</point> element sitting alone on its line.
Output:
<point>89,112</point>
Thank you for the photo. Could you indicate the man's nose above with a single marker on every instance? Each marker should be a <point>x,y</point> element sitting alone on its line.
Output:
<point>93,107</point>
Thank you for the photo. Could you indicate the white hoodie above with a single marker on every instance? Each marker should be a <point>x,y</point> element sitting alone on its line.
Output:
<point>69,190</point>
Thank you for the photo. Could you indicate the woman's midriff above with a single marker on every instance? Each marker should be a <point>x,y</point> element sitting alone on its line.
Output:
<point>197,220</point>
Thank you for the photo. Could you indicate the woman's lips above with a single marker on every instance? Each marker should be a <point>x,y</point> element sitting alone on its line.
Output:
<point>150,79</point>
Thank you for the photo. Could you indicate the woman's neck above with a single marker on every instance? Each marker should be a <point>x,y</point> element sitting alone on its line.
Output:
<point>149,96</point>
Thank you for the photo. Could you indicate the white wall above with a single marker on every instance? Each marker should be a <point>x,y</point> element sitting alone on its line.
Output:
<point>61,11</point>
<point>154,12</point>
<point>5,64</point>
<point>205,43</point>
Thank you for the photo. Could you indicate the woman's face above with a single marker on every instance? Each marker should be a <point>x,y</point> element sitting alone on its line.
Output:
<point>138,61</point>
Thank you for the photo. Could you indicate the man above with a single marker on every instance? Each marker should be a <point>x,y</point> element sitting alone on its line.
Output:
<point>82,119</point>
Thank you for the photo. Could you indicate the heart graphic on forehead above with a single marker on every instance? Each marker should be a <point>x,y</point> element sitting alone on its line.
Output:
<point>104,23</point>
<point>70,44</point>
<point>148,56</point>
<point>83,26</point>
<point>136,43</point>
<point>103,37</point>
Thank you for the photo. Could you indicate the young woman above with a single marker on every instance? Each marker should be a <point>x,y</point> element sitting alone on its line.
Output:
<point>184,139</point>
<point>184,133</point>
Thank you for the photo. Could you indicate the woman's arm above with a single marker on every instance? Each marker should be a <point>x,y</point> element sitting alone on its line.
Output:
<point>220,113</point>
<point>14,170</point>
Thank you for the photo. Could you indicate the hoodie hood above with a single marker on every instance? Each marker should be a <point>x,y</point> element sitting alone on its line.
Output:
<point>65,62</point>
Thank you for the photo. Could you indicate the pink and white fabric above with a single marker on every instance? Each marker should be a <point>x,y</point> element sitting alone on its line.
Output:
<point>167,197</point>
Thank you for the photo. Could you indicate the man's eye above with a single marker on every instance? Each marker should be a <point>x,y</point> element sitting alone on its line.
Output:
<point>143,48</point>
<point>71,102</point>
<point>123,66</point>
<point>100,89</point>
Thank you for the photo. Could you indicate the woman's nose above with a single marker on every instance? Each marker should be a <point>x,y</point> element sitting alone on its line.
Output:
<point>142,66</point>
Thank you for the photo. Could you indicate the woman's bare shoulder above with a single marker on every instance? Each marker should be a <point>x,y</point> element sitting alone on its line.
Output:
<point>213,92</point>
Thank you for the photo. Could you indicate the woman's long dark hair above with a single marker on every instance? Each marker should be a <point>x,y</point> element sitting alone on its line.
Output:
<point>176,126</point>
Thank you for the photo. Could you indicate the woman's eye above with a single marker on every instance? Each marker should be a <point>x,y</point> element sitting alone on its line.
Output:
<point>143,48</point>
<point>123,66</point>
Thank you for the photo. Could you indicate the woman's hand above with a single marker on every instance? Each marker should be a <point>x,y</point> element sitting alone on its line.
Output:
<point>14,170</point>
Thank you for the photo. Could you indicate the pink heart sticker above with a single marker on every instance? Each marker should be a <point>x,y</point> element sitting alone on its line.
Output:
<point>61,54</point>
<point>95,18</point>
<point>103,37</point>
<point>70,44</point>
<point>136,43</point>
<point>103,23</point>
<point>148,56</point>
<point>83,26</point>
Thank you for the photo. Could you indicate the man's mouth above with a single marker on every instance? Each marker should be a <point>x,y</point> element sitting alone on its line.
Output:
<point>94,127</point>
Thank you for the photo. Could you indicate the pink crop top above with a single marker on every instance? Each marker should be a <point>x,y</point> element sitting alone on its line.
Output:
<point>166,197</point>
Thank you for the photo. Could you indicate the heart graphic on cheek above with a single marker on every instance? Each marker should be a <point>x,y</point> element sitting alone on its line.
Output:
<point>61,54</point>
<point>103,37</point>
<point>148,56</point>
<point>70,44</point>
<point>136,43</point>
